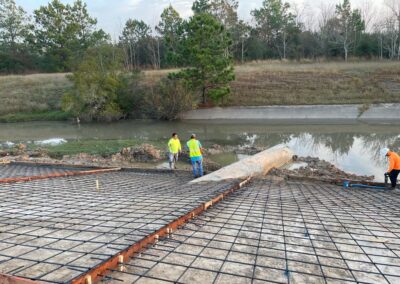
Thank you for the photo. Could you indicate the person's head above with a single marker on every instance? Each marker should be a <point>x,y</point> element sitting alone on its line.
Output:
<point>193,136</point>
<point>385,152</point>
<point>175,135</point>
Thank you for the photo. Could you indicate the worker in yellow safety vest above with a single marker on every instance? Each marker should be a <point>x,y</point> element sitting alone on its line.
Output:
<point>394,165</point>
<point>196,156</point>
<point>174,149</point>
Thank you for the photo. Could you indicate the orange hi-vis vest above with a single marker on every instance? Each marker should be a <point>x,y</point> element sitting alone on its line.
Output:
<point>394,161</point>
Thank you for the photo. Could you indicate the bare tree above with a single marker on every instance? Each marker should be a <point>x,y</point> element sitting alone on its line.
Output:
<point>241,35</point>
<point>368,12</point>
<point>394,6</point>
<point>390,43</point>
<point>327,12</point>
<point>305,15</point>
<point>378,28</point>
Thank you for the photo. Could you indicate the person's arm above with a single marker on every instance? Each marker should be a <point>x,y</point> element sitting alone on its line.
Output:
<point>201,147</point>
<point>391,164</point>
<point>169,146</point>
<point>180,146</point>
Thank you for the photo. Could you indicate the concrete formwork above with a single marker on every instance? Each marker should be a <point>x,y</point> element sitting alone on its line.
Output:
<point>57,230</point>
<point>292,232</point>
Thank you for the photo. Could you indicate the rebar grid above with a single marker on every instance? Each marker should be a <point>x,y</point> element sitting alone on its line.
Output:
<point>57,229</point>
<point>280,233</point>
<point>25,170</point>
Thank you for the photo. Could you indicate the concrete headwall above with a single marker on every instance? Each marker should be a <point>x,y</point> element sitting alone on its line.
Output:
<point>312,112</point>
<point>257,165</point>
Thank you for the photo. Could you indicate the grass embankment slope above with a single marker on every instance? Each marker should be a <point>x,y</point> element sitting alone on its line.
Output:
<point>32,97</point>
<point>104,148</point>
<point>325,83</point>
<point>38,97</point>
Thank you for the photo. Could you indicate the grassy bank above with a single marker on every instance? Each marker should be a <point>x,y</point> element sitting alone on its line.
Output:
<point>32,94</point>
<point>38,97</point>
<point>325,83</point>
<point>103,148</point>
<point>51,115</point>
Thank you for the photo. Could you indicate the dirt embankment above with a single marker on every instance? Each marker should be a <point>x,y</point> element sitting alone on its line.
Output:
<point>308,167</point>
<point>143,156</point>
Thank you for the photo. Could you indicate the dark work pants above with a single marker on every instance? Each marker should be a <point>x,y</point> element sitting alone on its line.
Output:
<point>393,177</point>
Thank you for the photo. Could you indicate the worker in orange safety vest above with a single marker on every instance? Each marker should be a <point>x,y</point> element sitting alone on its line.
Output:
<point>394,165</point>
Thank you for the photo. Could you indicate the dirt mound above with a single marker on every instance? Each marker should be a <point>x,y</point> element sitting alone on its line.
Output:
<point>315,168</point>
<point>143,153</point>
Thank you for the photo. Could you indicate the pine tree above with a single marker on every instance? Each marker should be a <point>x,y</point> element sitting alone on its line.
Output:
<point>204,46</point>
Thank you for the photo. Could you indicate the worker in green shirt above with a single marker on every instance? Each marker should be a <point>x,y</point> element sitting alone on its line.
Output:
<point>174,148</point>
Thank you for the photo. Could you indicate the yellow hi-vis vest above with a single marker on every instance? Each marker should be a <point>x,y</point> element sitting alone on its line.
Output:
<point>174,146</point>
<point>194,148</point>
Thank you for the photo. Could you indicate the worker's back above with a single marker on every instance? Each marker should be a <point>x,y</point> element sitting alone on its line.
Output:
<point>194,146</point>
<point>394,159</point>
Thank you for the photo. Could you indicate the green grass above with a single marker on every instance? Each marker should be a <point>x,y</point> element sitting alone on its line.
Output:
<point>35,116</point>
<point>271,83</point>
<point>38,96</point>
<point>38,93</point>
<point>103,148</point>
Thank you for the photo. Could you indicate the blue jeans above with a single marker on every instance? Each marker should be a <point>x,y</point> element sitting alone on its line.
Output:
<point>393,175</point>
<point>197,168</point>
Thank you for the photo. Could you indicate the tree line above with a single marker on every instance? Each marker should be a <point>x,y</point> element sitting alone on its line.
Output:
<point>55,37</point>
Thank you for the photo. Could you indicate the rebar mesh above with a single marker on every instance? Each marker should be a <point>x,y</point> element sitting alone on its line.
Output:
<point>25,170</point>
<point>280,233</point>
<point>57,229</point>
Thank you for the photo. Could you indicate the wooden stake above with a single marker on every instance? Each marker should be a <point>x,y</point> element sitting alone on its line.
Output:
<point>121,263</point>
<point>156,237</point>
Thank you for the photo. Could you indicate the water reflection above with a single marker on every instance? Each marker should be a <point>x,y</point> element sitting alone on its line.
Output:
<point>353,152</point>
<point>353,147</point>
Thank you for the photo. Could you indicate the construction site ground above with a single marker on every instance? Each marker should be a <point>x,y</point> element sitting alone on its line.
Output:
<point>64,229</point>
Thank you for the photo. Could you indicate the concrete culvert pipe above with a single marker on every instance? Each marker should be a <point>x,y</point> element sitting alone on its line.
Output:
<point>257,165</point>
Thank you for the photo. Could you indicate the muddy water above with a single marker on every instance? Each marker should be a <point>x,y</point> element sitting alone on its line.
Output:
<point>353,147</point>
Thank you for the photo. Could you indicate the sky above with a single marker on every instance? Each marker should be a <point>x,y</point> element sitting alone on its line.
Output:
<point>112,14</point>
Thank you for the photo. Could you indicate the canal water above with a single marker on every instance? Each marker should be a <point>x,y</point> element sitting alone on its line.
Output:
<point>351,146</point>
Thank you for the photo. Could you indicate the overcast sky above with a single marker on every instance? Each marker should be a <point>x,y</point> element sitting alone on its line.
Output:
<point>112,14</point>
